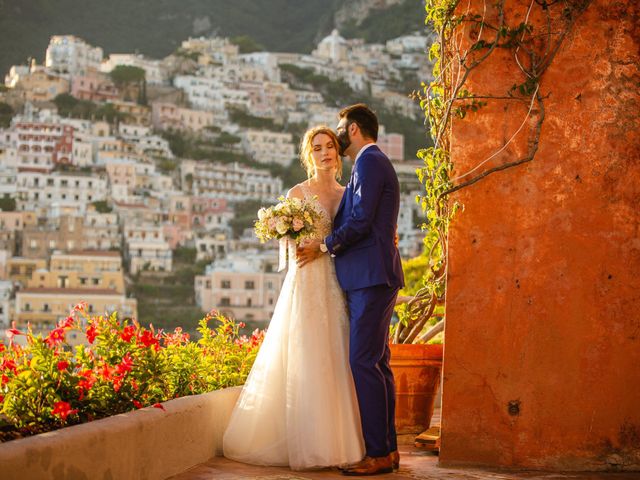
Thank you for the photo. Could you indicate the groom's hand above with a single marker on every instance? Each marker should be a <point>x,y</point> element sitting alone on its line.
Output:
<point>307,252</point>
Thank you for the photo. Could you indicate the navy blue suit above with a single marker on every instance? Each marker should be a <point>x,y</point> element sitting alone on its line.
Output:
<point>370,272</point>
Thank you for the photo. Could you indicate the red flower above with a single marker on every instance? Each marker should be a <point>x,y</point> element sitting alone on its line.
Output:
<point>4,380</point>
<point>106,371</point>
<point>55,337</point>
<point>134,385</point>
<point>1,398</point>
<point>2,347</point>
<point>9,365</point>
<point>137,404</point>
<point>63,410</point>
<point>63,365</point>
<point>125,365</point>
<point>242,325</point>
<point>127,333</point>
<point>92,333</point>
<point>147,339</point>
<point>158,405</point>
<point>117,383</point>
<point>86,383</point>
<point>66,323</point>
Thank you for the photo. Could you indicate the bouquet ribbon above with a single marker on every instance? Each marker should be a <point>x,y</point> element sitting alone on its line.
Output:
<point>283,254</point>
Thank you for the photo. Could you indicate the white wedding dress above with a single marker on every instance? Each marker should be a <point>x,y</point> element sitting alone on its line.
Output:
<point>298,406</point>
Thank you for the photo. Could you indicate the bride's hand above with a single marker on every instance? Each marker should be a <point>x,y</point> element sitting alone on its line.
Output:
<point>307,252</point>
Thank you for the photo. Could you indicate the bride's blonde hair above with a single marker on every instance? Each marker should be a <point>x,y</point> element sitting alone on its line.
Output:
<point>306,149</point>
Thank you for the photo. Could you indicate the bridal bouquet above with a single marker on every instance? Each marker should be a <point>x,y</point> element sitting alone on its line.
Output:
<point>292,217</point>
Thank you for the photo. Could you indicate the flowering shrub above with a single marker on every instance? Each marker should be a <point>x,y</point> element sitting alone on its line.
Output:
<point>47,385</point>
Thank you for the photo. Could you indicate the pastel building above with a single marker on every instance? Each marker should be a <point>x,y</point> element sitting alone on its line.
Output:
<point>146,248</point>
<point>232,182</point>
<point>72,55</point>
<point>269,147</point>
<point>244,285</point>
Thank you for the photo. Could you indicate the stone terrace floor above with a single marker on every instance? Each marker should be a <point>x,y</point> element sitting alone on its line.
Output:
<point>415,464</point>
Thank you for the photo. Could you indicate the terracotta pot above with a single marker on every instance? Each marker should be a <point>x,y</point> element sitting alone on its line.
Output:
<point>416,369</point>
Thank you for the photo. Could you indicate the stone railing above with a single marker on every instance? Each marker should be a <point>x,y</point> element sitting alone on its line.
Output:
<point>149,443</point>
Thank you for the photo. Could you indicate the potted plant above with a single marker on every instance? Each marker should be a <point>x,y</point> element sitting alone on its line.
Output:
<point>416,364</point>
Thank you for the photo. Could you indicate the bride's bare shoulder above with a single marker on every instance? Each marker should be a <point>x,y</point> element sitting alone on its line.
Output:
<point>296,191</point>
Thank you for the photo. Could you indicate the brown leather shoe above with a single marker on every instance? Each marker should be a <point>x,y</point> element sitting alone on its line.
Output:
<point>370,466</point>
<point>395,459</point>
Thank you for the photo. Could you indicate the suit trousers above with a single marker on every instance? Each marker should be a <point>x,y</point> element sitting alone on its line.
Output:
<point>370,311</point>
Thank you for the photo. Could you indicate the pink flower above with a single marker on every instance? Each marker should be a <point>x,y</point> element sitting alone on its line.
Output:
<point>63,365</point>
<point>12,332</point>
<point>66,323</point>
<point>63,410</point>
<point>298,224</point>
<point>80,307</point>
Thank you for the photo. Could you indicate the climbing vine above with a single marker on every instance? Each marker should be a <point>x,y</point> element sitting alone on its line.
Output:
<point>530,46</point>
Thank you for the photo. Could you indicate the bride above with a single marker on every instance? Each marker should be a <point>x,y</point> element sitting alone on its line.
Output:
<point>298,406</point>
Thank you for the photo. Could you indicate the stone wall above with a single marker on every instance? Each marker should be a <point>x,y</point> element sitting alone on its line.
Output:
<point>542,355</point>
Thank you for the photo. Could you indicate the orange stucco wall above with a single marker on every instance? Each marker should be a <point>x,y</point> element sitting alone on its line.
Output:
<point>543,299</point>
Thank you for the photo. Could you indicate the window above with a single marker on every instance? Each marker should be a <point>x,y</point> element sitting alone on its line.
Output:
<point>27,307</point>
<point>45,307</point>
<point>96,281</point>
<point>225,302</point>
<point>248,302</point>
<point>249,285</point>
<point>225,284</point>
<point>208,284</point>
<point>62,281</point>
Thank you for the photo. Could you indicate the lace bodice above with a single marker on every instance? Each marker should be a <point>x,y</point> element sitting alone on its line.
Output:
<point>325,225</point>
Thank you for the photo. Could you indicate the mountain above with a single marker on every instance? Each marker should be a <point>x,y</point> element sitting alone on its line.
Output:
<point>157,27</point>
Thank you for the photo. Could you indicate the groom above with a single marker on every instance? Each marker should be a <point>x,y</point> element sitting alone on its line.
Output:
<point>369,271</point>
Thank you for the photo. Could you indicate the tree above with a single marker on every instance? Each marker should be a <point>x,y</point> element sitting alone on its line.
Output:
<point>6,114</point>
<point>124,74</point>
<point>8,204</point>
<point>247,44</point>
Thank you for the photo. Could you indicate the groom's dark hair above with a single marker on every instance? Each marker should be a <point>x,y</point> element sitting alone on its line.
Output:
<point>362,116</point>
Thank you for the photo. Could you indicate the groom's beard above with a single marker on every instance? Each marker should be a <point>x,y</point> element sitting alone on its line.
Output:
<point>344,142</point>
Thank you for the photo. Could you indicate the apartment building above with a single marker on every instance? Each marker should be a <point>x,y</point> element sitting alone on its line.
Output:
<point>72,55</point>
<point>167,116</point>
<point>232,182</point>
<point>244,285</point>
<point>269,147</point>
<point>38,191</point>
<point>146,248</point>
<point>38,145</point>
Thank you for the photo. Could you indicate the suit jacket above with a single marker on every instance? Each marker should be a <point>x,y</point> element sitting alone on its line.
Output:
<point>365,225</point>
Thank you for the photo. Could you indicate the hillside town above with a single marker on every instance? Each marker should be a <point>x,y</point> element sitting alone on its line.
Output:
<point>120,170</point>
